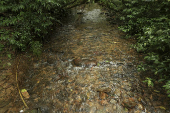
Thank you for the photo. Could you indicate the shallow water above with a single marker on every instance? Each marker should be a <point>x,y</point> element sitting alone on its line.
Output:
<point>88,68</point>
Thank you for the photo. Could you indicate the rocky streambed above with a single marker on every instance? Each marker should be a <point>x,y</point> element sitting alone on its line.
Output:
<point>89,68</point>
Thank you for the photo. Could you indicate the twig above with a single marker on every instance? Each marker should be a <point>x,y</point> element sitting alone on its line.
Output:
<point>18,86</point>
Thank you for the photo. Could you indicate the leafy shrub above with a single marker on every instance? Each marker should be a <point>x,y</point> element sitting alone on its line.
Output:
<point>1,47</point>
<point>167,87</point>
<point>150,23</point>
<point>149,82</point>
<point>25,24</point>
<point>36,47</point>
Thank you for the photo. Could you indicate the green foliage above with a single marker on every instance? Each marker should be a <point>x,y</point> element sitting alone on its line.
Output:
<point>1,47</point>
<point>149,81</point>
<point>149,21</point>
<point>167,87</point>
<point>141,67</point>
<point>36,47</point>
<point>9,56</point>
<point>25,24</point>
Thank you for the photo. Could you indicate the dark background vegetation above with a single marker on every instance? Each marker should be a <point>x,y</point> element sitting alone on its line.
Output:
<point>149,22</point>
<point>26,24</point>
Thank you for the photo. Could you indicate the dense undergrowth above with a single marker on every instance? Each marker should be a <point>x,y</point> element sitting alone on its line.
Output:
<point>149,22</point>
<point>25,24</point>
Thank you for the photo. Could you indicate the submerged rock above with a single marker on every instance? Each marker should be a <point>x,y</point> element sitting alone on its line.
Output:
<point>102,95</point>
<point>129,103</point>
<point>84,62</point>
<point>35,110</point>
<point>104,89</point>
<point>118,92</point>
<point>140,107</point>
<point>77,62</point>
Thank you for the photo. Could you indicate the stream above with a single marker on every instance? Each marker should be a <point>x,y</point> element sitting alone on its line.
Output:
<point>88,68</point>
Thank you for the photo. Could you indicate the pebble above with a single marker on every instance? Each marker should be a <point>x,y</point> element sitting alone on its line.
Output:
<point>78,98</point>
<point>77,62</point>
<point>129,103</point>
<point>93,110</point>
<point>117,92</point>
<point>104,102</point>
<point>138,111</point>
<point>114,107</point>
<point>104,89</point>
<point>113,101</point>
<point>103,95</point>
<point>140,107</point>
<point>84,62</point>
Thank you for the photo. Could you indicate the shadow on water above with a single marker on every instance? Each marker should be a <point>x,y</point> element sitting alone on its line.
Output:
<point>88,68</point>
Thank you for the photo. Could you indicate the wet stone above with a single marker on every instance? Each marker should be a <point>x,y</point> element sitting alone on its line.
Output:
<point>89,63</point>
<point>84,62</point>
<point>109,108</point>
<point>77,62</point>
<point>102,95</point>
<point>44,110</point>
<point>129,64</point>
<point>114,107</point>
<point>113,101</point>
<point>117,92</point>
<point>36,110</point>
<point>51,59</point>
<point>93,110</point>
<point>120,63</point>
<point>140,107</point>
<point>138,111</point>
<point>36,65</point>
<point>89,28</point>
<point>104,89</point>
<point>129,103</point>
<point>103,102</point>
<point>131,94</point>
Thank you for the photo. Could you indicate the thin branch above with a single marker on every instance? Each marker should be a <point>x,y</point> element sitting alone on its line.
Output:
<point>18,86</point>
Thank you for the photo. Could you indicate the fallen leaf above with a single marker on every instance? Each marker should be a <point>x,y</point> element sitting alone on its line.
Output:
<point>162,107</point>
<point>25,93</point>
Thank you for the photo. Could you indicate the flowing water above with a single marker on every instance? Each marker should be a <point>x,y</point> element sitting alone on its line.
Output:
<point>88,68</point>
